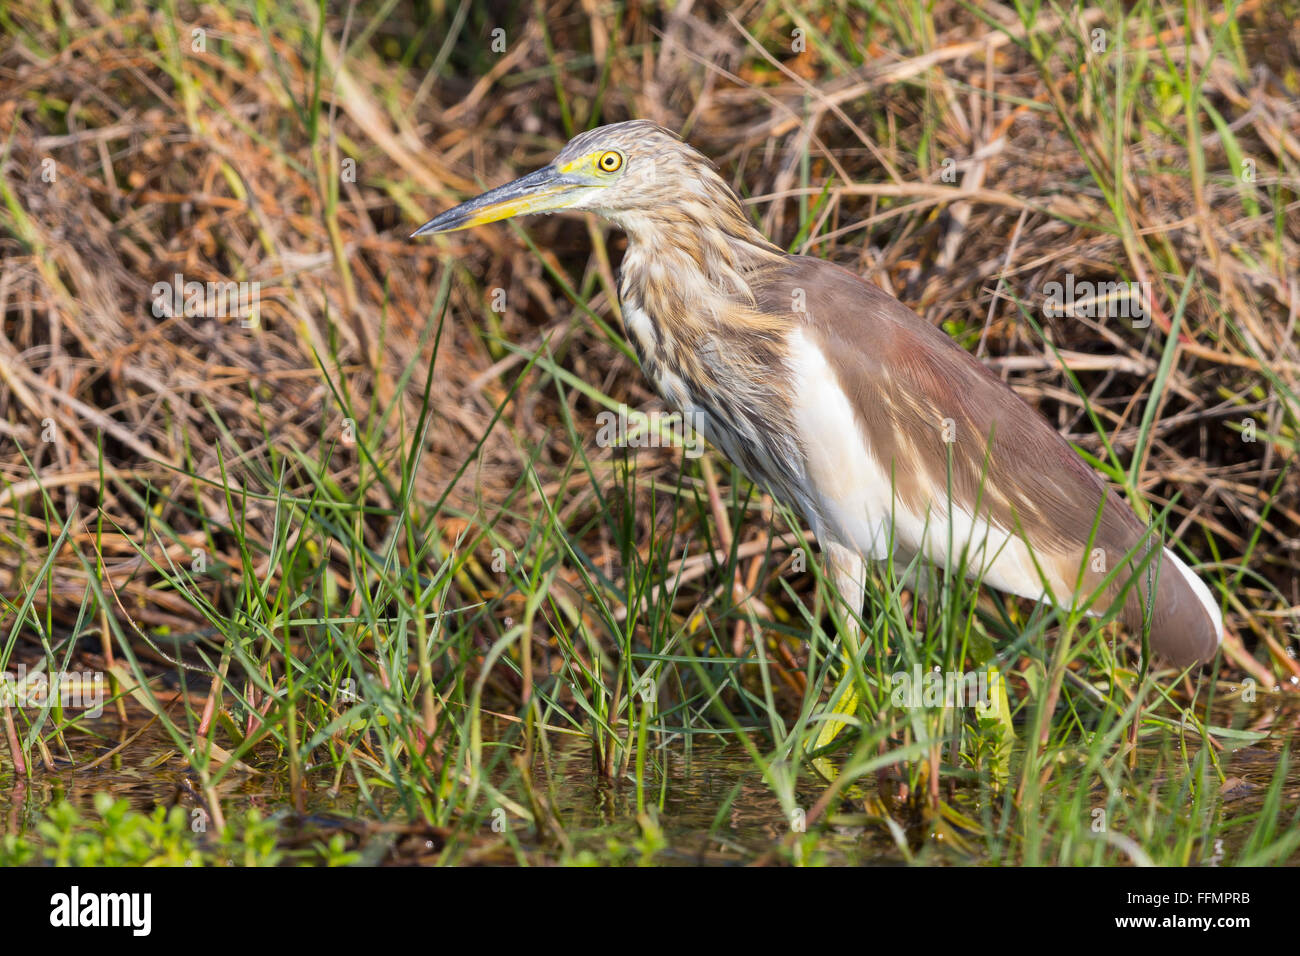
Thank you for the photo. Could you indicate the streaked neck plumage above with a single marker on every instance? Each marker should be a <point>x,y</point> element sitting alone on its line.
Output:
<point>687,291</point>
<point>690,259</point>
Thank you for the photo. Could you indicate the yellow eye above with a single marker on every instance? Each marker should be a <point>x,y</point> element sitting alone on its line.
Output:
<point>610,162</point>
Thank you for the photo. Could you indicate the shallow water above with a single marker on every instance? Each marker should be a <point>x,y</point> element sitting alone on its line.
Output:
<point>710,802</point>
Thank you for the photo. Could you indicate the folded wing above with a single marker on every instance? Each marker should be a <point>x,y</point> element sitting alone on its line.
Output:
<point>1024,505</point>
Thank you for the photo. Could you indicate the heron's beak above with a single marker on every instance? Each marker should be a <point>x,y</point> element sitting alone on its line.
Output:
<point>546,190</point>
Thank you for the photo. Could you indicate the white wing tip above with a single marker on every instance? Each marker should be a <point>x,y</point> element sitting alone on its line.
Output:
<point>1201,590</point>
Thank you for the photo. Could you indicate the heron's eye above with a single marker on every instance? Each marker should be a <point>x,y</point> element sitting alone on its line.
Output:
<point>610,162</point>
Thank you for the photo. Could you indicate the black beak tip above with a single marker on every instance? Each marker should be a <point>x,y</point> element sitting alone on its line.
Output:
<point>443,222</point>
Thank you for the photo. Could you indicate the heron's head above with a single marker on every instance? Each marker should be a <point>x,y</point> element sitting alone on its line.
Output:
<point>624,172</point>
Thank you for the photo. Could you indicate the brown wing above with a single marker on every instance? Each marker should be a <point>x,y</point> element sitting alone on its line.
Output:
<point>904,377</point>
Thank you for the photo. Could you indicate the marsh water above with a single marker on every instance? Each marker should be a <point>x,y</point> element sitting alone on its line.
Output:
<point>709,802</point>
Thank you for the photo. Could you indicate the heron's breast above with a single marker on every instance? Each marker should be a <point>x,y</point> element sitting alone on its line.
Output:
<point>664,368</point>
<point>739,411</point>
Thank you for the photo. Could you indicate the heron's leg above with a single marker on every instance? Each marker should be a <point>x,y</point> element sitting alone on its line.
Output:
<point>849,572</point>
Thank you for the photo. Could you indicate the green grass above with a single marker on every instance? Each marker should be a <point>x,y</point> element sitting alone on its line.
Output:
<point>392,697</point>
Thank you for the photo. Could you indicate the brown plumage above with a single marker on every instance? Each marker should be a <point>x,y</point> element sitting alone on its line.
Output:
<point>845,405</point>
<point>904,377</point>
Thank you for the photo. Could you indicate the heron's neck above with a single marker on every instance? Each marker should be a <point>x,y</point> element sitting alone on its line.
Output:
<point>691,310</point>
<point>691,269</point>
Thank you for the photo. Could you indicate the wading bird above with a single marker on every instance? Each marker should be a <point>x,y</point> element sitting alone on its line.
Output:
<point>875,426</point>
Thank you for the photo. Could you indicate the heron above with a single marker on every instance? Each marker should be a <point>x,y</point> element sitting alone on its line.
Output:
<point>886,436</point>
